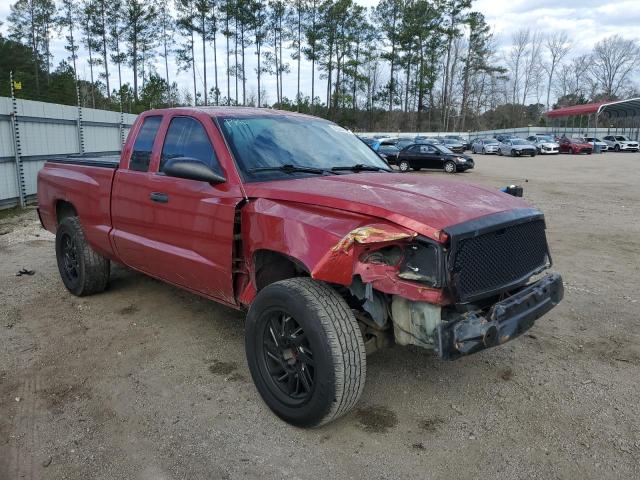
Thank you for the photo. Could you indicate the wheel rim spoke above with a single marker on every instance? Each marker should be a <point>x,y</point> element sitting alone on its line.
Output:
<point>287,357</point>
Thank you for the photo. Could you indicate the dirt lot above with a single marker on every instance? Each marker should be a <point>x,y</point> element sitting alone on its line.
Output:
<point>148,382</point>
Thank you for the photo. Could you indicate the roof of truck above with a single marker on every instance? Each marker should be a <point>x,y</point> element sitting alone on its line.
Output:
<point>220,111</point>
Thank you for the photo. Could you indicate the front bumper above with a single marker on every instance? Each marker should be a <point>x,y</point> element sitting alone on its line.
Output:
<point>504,321</point>
<point>632,147</point>
<point>549,150</point>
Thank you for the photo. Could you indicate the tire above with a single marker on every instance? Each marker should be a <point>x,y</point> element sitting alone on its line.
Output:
<point>616,148</point>
<point>513,153</point>
<point>499,152</point>
<point>404,166</point>
<point>533,154</point>
<point>484,152</point>
<point>330,339</point>
<point>450,167</point>
<point>83,271</point>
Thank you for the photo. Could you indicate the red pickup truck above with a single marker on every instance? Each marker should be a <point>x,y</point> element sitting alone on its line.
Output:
<point>296,220</point>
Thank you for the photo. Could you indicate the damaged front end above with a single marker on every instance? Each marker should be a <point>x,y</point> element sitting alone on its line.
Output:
<point>464,291</point>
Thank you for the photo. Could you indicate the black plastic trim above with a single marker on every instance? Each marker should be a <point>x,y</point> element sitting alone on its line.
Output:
<point>88,161</point>
<point>480,226</point>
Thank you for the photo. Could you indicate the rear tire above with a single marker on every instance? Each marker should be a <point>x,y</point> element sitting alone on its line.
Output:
<point>404,166</point>
<point>305,351</point>
<point>83,271</point>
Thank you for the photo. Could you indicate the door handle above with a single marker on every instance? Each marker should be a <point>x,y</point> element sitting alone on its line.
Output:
<point>159,197</point>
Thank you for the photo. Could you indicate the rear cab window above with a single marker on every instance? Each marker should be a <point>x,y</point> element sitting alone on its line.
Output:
<point>141,154</point>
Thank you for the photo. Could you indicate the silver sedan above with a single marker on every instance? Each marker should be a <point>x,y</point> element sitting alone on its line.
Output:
<point>485,145</point>
<point>517,147</point>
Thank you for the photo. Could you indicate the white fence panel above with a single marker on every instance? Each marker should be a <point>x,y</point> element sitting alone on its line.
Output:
<point>48,129</point>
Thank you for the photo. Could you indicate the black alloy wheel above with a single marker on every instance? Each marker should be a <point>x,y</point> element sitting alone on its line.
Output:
<point>287,359</point>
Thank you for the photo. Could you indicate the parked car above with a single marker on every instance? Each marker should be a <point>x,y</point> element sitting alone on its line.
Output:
<point>504,136</point>
<point>388,151</point>
<point>374,143</point>
<point>596,142</point>
<point>399,142</point>
<point>485,145</point>
<point>545,144</point>
<point>619,143</point>
<point>419,156</point>
<point>296,221</point>
<point>516,147</point>
<point>575,146</point>
<point>463,141</point>
<point>454,145</point>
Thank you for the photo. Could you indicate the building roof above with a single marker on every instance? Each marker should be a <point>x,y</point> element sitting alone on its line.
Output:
<point>620,108</point>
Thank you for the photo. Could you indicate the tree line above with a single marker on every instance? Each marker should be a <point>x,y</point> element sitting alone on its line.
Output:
<point>401,65</point>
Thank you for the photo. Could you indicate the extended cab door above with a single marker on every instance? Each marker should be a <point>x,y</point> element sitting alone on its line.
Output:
<point>176,229</point>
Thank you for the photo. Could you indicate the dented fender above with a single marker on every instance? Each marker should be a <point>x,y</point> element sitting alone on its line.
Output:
<point>329,243</point>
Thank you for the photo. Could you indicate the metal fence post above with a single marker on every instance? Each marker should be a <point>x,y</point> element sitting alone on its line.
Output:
<point>121,128</point>
<point>79,122</point>
<point>15,133</point>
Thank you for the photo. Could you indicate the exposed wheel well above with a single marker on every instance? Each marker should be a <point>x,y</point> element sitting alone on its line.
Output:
<point>65,209</point>
<point>273,266</point>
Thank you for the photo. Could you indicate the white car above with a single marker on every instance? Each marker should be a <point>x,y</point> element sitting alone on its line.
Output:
<point>545,144</point>
<point>621,143</point>
<point>597,142</point>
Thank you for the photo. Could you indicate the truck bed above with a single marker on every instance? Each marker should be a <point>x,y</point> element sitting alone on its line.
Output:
<point>106,161</point>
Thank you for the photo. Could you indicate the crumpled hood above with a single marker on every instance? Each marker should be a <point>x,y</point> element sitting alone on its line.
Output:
<point>421,203</point>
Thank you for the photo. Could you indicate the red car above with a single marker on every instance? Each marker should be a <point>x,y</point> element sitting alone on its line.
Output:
<point>575,145</point>
<point>295,220</point>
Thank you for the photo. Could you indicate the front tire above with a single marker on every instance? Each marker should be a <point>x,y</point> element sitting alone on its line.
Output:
<point>616,148</point>
<point>305,351</point>
<point>450,167</point>
<point>404,166</point>
<point>83,271</point>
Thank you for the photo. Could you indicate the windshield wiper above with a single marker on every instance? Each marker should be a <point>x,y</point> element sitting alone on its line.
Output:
<point>359,167</point>
<point>289,168</point>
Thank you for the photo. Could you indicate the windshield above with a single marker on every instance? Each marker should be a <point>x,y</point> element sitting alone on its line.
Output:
<point>517,141</point>
<point>442,149</point>
<point>621,138</point>
<point>545,139</point>
<point>262,144</point>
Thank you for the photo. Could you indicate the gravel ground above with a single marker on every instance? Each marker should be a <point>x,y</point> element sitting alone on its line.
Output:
<point>146,381</point>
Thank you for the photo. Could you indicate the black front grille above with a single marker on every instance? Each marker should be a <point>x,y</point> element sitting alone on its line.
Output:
<point>497,260</point>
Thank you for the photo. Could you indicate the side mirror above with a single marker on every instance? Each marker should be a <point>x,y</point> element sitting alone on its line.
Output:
<point>191,169</point>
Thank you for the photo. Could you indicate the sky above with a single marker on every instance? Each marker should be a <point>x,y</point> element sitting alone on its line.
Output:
<point>585,21</point>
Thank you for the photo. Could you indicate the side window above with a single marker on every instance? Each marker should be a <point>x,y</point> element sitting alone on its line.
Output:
<point>186,137</point>
<point>141,155</point>
<point>415,149</point>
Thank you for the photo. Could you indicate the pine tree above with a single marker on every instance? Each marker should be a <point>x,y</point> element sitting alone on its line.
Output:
<point>31,21</point>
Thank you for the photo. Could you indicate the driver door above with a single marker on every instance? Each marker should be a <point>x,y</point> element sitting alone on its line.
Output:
<point>189,241</point>
<point>431,156</point>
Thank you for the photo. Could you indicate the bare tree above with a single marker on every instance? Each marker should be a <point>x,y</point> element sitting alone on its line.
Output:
<point>613,62</point>
<point>515,59</point>
<point>531,69</point>
<point>557,46</point>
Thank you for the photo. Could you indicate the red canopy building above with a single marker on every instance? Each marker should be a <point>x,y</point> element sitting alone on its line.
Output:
<point>620,114</point>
